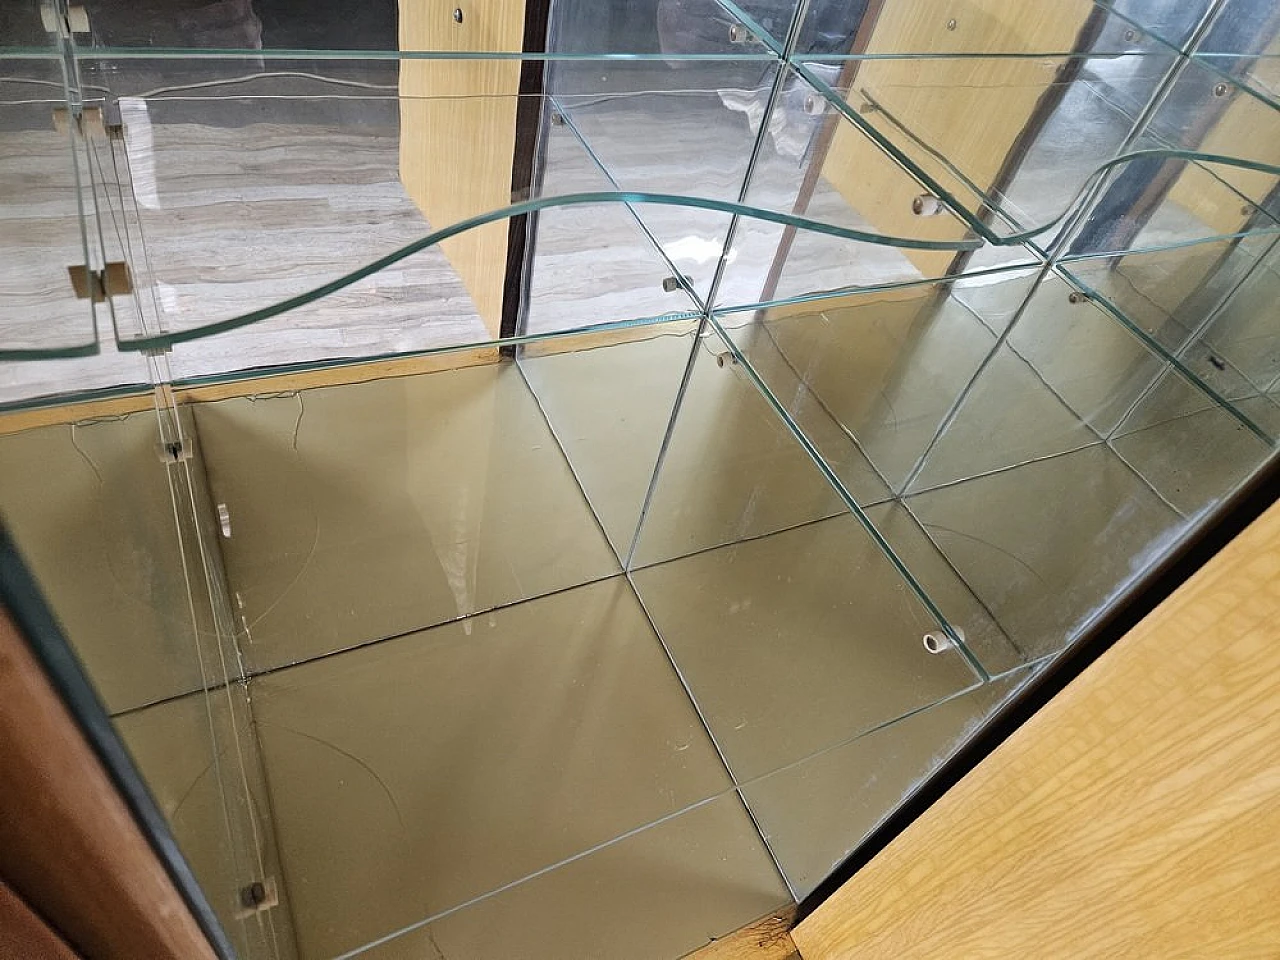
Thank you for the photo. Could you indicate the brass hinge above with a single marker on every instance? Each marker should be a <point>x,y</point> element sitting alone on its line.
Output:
<point>89,121</point>
<point>111,280</point>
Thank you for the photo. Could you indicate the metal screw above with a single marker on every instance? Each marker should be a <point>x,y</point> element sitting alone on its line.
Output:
<point>1075,297</point>
<point>951,24</point>
<point>457,14</point>
<point>1130,36</point>
<point>1219,89</point>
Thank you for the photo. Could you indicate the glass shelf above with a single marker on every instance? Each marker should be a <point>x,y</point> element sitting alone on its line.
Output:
<point>777,396</point>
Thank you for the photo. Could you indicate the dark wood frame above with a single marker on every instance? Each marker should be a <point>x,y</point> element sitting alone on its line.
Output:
<point>81,840</point>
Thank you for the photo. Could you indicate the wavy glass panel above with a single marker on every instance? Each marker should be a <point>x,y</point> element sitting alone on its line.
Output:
<point>1016,141</point>
<point>639,124</point>
<point>817,163</point>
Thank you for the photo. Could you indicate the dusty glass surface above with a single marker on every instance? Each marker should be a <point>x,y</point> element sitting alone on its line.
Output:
<point>491,470</point>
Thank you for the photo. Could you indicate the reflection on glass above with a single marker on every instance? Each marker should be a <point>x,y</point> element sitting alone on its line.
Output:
<point>488,466</point>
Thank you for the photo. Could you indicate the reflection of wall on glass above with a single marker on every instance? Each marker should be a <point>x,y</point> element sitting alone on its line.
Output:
<point>780,397</point>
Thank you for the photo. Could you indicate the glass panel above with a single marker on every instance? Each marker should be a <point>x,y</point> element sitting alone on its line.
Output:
<point>818,164</point>
<point>834,31</point>
<point>119,531</point>
<point>43,234</point>
<point>1239,28</point>
<point>677,31</point>
<point>743,424</point>
<point>1210,307</point>
<point>247,188</point>
<point>732,470</point>
<point>433,767</point>
<point>1017,537</point>
<point>1242,329</point>
<point>1154,200</point>
<point>1192,451</point>
<point>884,366</point>
<point>769,611</point>
<point>660,31</point>
<point>204,793</point>
<point>358,513</point>
<point>1015,141</point>
<point>1065,375</point>
<point>608,401</point>
<point>712,849</point>
<point>638,126</point>
<point>818,811</point>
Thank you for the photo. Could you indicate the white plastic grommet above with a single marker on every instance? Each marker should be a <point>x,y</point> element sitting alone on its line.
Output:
<point>937,641</point>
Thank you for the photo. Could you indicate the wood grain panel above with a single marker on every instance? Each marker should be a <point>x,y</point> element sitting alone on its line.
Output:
<point>274,383</point>
<point>766,939</point>
<point>1136,815</point>
<point>458,132</point>
<point>971,111</point>
<point>68,844</point>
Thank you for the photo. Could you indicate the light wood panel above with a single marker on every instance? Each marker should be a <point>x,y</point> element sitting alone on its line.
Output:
<point>969,110</point>
<point>458,132</point>
<point>766,939</point>
<point>68,844</point>
<point>1136,815</point>
<point>280,383</point>
<point>1247,128</point>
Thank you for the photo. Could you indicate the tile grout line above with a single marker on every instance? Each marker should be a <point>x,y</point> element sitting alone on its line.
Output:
<point>732,789</point>
<point>715,743</point>
<point>1021,654</point>
<point>568,462</point>
<point>268,671</point>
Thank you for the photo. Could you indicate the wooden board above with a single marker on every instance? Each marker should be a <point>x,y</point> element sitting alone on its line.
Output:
<point>971,111</point>
<point>458,132</point>
<point>1247,128</point>
<point>68,845</point>
<point>1136,815</point>
<point>766,939</point>
<point>272,383</point>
